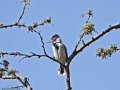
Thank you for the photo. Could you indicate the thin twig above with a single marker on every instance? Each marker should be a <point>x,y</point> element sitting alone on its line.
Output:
<point>12,25</point>
<point>76,46</point>
<point>2,54</point>
<point>26,3</point>
<point>18,24</point>
<point>41,39</point>
<point>23,11</point>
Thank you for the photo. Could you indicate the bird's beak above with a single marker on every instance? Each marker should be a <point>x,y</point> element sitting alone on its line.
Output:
<point>49,41</point>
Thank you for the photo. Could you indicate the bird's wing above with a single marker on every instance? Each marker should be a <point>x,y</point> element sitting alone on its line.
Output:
<point>65,52</point>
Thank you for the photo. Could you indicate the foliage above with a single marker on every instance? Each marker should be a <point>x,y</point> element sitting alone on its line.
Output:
<point>88,28</point>
<point>104,53</point>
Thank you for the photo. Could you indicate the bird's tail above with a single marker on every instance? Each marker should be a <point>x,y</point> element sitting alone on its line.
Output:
<point>61,70</point>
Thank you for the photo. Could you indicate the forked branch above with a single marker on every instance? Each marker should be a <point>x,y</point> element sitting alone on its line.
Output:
<point>89,42</point>
<point>20,78</point>
<point>19,54</point>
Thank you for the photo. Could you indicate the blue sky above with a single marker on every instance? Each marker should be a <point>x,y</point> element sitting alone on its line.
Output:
<point>87,71</point>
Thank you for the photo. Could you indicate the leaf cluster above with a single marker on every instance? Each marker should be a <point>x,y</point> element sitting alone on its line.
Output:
<point>35,24</point>
<point>87,28</point>
<point>104,53</point>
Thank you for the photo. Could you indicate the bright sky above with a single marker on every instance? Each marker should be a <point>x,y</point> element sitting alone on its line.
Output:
<point>88,72</point>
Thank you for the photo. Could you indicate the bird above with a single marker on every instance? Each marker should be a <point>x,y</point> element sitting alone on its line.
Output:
<point>59,52</point>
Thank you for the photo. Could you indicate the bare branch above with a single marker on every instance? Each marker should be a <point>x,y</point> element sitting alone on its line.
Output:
<point>18,24</point>
<point>89,13</point>
<point>76,46</point>
<point>26,3</point>
<point>41,39</point>
<point>22,79</point>
<point>23,11</point>
<point>117,26</point>
<point>2,54</point>
<point>12,25</point>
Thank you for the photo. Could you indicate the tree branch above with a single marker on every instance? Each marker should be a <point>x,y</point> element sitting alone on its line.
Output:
<point>41,39</point>
<point>26,2</point>
<point>76,46</point>
<point>20,78</point>
<point>12,25</point>
<point>2,54</point>
<point>110,28</point>
<point>23,11</point>
<point>67,73</point>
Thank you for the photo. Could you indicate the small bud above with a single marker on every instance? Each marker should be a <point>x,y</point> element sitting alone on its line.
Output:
<point>30,28</point>
<point>46,20</point>
<point>89,12</point>
<point>34,24</point>
<point>5,63</point>
<point>26,2</point>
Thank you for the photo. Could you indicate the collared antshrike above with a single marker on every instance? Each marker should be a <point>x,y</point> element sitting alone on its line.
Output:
<point>59,52</point>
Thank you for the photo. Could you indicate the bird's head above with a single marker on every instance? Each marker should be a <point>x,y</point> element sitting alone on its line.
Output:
<point>55,39</point>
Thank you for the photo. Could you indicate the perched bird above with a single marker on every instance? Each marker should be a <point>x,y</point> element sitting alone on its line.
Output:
<point>59,51</point>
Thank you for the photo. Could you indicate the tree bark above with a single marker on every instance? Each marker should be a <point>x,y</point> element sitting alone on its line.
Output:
<point>67,73</point>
